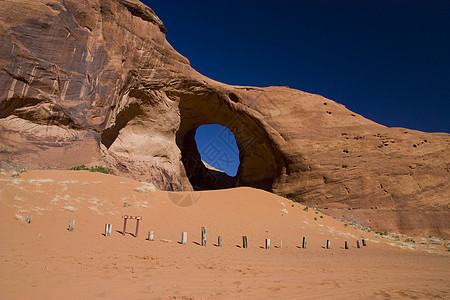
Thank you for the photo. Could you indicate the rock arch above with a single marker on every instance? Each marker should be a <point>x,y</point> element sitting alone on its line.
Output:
<point>259,158</point>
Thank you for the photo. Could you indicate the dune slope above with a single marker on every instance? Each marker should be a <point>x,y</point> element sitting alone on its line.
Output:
<point>43,260</point>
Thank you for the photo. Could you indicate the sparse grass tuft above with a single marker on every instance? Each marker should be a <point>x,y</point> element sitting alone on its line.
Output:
<point>70,208</point>
<point>15,174</point>
<point>19,217</point>
<point>126,204</point>
<point>23,170</point>
<point>146,188</point>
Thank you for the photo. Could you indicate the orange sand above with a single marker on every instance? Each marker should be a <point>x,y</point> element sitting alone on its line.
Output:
<point>42,260</point>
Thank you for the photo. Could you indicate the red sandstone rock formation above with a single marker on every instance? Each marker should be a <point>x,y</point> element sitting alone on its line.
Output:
<point>96,82</point>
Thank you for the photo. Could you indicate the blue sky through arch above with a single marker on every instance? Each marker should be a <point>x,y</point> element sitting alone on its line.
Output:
<point>217,147</point>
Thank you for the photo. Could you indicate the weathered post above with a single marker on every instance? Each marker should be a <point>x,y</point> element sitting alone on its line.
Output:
<point>346,245</point>
<point>108,228</point>
<point>71,225</point>
<point>137,226</point>
<point>29,217</point>
<point>219,241</point>
<point>280,244</point>
<point>184,238</point>
<point>304,242</point>
<point>357,244</point>
<point>150,236</point>
<point>364,242</point>
<point>267,243</point>
<point>125,218</point>
<point>328,244</point>
<point>244,241</point>
<point>204,236</point>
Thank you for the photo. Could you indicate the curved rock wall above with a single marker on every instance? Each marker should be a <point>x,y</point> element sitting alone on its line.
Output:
<point>96,82</point>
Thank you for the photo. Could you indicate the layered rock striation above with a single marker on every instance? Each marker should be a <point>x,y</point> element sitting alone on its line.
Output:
<point>96,82</point>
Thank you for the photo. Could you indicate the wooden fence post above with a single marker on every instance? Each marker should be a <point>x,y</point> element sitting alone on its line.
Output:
<point>184,238</point>
<point>346,245</point>
<point>29,217</point>
<point>267,243</point>
<point>304,242</point>
<point>328,244</point>
<point>204,236</point>
<point>150,236</point>
<point>125,218</point>
<point>219,241</point>
<point>280,244</point>
<point>244,241</point>
<point>137,226</point>
<point>71,225</point>
<point>108,228</point>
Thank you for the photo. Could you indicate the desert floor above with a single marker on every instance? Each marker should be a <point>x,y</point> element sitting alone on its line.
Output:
<point>43,260</point>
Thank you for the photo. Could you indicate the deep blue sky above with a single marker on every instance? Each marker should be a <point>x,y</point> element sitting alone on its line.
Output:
<point>388,60</point>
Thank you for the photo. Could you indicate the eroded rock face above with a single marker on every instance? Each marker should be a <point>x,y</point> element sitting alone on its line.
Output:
<point>96,82</point>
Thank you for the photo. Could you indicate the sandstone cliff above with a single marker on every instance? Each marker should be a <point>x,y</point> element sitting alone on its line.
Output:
<point>96,82</point>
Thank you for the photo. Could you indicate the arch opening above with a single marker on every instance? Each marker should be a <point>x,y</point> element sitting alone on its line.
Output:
<point>260,161</point>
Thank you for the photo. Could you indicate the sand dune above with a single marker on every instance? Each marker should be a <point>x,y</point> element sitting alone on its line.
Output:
<point>43,260</point>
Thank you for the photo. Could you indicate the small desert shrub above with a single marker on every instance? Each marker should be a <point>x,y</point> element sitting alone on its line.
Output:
<point>365,229</point>
<point>126,204</point>
<point>82,167</point>
<point>99,169</point>
<point>306,208</point>
<point>382,233</point>
<point>409,240</point>
<point>23,170</point>
<point>316,208</point>
<point>15,174</point>
<point>315,218</point>
<point>321,217</point>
